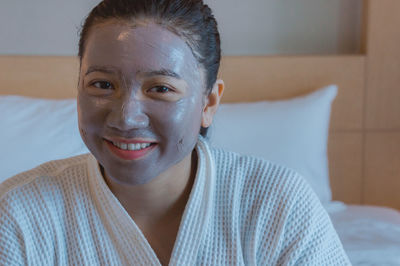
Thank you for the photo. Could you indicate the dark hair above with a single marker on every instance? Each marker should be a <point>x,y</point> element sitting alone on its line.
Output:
<point>190,19</point>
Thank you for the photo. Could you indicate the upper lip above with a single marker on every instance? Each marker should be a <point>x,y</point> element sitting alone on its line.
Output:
<point>130,140</point>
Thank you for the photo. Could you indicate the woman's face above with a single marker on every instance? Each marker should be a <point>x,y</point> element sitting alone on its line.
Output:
<point>140,100</point>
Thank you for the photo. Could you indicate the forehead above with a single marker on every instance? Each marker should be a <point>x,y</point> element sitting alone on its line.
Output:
<point>142,47</point>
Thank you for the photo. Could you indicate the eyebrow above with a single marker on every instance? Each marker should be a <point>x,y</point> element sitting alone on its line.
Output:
<point>104,69</point>
<point>113,70</point>
<point>161,72</point>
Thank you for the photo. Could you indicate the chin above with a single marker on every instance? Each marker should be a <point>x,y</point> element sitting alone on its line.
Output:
<point>131,175</point>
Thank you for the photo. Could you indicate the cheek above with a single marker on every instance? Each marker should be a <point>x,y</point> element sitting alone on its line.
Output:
<point>179,121</point>
<point>91,115</point>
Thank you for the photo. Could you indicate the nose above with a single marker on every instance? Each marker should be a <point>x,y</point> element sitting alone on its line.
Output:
<point>128,115</point>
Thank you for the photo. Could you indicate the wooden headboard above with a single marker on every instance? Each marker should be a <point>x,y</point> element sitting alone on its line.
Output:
<point>364,141</point>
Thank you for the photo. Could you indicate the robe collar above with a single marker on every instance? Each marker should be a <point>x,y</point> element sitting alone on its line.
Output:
<point>130,243</point>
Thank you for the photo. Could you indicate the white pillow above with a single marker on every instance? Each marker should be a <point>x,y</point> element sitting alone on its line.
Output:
<point>291,132</point>
<point>34,131</point>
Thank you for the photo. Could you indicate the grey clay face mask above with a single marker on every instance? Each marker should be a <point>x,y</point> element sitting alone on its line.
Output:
<point>141,82</point>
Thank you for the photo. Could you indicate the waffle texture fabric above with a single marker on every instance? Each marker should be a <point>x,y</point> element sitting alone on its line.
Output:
<point>241,211</point>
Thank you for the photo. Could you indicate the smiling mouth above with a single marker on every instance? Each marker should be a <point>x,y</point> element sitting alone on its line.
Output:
<point>130,151</point>
<point>131,146</point>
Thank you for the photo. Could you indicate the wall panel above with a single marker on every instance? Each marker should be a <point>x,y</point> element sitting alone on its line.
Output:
<point>345,155</point>
<point>382,169</point>
<point>383,68</point>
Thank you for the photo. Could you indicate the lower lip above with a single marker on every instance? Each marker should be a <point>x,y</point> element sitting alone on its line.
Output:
<point>129,155</point>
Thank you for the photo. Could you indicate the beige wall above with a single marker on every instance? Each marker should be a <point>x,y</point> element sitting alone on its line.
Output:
<point>248,27</point>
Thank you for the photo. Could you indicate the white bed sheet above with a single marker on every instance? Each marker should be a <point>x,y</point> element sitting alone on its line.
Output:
<point>370,235</point>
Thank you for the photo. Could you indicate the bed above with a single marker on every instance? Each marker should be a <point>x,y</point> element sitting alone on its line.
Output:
<point>333,118</point>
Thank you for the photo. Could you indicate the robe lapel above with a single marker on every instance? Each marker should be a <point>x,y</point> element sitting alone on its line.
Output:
<point>130,243</point>
<point>132,246</point>
<point>197,211</point>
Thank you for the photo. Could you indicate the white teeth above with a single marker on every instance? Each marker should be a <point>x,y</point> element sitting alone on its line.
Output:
<point>131,146</point>
<point>124,146</point>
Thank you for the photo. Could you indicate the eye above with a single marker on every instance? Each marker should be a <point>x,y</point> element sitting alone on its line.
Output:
<point>158,91</point>
<point>105,85</point>
<point>161,89</point>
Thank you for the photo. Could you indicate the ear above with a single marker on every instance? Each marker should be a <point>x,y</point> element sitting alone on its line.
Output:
<point>212,103</point>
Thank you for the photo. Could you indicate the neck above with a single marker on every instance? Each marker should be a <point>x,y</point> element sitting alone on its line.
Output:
<point>165,196</point>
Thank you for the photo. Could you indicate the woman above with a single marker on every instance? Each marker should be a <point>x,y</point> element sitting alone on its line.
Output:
<point>152,191</point>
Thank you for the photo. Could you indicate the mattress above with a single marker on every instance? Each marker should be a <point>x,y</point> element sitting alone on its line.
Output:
<point>370,235</point>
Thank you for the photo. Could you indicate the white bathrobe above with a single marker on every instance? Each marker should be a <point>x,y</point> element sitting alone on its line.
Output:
<point>241,211</point>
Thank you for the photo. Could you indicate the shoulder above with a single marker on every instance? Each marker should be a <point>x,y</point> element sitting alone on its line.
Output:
<point>32,206</point>
<point>270,188</point>
<point>257,176</point>
<point>279,211</point>
<point>45,176</point>
<point>261,189</point>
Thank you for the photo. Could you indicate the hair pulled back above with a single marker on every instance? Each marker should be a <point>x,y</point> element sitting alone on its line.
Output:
<point>192,20</point>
